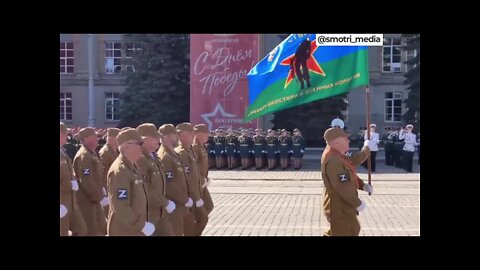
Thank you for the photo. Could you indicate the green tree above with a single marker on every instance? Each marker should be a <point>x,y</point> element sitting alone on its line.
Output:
<point>412,78</point>
<point>158,88</point>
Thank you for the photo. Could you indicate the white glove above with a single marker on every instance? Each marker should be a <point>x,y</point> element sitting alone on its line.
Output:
<point>199,203</point>
<point>221,152</point>
<point>368,188</point>
<point>74,185</point>
<point>104,202</point>
<point>148,229</point>
<point>208,181</point>
<point>170,207</point>
<point>366,143</point>
<point>302,151</point>
<point>189,202</point>
<point>63,210</point>
<point>104,191</point>
<point>361,207</point>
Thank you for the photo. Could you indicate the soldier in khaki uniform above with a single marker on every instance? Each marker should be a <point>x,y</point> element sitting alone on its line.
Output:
<point>108,153</point>
<point>70,215</point>
<point>177,186</point>
<point>89,170</point>
<point>155,183</point>
<point>341,202</point>
<point>189,160</point>
<point>201,136</point>
<point>128,214</point>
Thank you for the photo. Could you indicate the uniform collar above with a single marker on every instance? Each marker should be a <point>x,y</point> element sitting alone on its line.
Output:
<point>127,163</point>
<point>109,147</point>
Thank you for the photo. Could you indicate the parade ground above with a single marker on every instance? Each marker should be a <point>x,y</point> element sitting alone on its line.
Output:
<point>288,203</point>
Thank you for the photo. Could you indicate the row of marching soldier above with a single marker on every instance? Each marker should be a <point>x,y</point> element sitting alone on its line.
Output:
<point>144,181</point>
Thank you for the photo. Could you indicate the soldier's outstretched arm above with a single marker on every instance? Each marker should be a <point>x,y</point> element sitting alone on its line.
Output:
<point>183,155</point>
<point>119,193</point>
<point>198,153</point>
<point>106,160</point>
<point>345,187</point>
<point>359,157</point>
<point>154,198</point>
<point>84,166</point>
<point>171,175</point>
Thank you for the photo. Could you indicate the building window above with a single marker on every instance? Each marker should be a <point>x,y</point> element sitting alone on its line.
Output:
<point>130,48</point>
<point>65,106</point>
<point>113,57</point>
<point>410,55</point>
<point>393,106</point>
<point>112,102</point>
<point>392,55</point>
<point>66,57</point>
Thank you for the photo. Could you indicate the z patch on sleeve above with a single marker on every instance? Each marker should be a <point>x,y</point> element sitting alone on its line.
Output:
<point>187,169</point>
<point>169,175</point>
<point>343,177</point>
<point>122,194</point>
<point>86,171</point>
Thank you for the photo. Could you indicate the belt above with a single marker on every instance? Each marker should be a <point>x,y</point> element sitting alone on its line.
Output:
<point>271,144</point>
<point>231,144</point>
<point>284,144</point>
<point>219,143</point>
<point>258,144</point>
<point>297,144</point>
<point>243,144</point>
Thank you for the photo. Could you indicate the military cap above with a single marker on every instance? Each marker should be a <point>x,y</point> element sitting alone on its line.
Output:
<point>283,130</point>
<point>270,130</point>
<point>167,129</point>
<point>148,130</point>
<point>128,135</point>
<point>295,130</point>
<point>85,132</point>
<point>63,128</point>
<point>257,130</point>
<point>125,128</point>
<point>200,128</point>
<point>373,125</point>
<point>113,132</point>
<point>185,127</point>
<point>333,133</point>
<point>409,126</point>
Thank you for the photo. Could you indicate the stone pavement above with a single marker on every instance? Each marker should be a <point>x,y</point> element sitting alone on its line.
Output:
<point>288,203</point>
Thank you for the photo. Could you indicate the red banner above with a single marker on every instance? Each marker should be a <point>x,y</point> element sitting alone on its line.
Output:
<point>219,64</point>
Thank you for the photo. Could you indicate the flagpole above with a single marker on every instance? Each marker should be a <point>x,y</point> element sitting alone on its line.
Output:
<point>369,161</point>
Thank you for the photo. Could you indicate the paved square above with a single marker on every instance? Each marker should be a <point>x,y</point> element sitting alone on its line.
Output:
<point>276,205</point>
